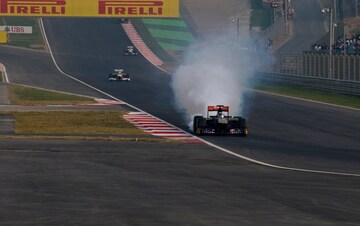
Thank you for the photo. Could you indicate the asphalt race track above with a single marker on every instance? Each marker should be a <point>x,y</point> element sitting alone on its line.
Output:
<point>37,69</point>
<point>119,183</point>
<point>280,128</point>
<point>309,26</point>
<point>99,44</point>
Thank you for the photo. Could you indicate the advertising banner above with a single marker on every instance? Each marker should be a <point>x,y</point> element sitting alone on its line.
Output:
<point>3,37</point>
<point>17,29</point>
<point>90,8</point>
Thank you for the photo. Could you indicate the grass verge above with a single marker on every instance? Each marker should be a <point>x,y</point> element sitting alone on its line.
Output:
<point>104,138</point>
<point>310,94</point>
<point>22,95</point>
<point>74,123</point>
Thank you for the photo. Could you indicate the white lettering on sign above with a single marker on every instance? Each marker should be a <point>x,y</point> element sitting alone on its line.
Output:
<point>17,29</point>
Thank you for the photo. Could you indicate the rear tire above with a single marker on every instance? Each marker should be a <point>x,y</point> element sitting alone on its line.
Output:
<point>243,125</point>
<point>197,123</point>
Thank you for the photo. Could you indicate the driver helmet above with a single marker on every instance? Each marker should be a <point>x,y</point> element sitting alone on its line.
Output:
<point>219,113</point>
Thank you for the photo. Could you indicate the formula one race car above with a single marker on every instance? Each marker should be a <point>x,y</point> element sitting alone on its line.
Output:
<point>124,20</point>
<point>130,51</point>
<point>221,123</point>
<point>119,75</point>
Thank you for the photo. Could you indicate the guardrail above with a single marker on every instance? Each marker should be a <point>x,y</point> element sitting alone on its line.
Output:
<point>346,87</point>
<point>336,73</point>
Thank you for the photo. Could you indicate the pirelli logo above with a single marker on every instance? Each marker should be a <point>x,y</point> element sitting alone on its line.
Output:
<point>90,8</point>
<point>31,7</point>
<point>131,7</point>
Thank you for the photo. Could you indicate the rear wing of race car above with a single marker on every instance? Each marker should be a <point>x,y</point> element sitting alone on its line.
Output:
<point>118,70</point>
<point>218,108</point>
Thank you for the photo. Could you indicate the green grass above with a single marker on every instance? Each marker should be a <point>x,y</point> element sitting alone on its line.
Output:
<point>34,40</point>
<point>178,35</point>
<point>74,123</point>
<point>167,22</point>
<point>84,125</point>
<point>30,96</point>
<point>172,35</point>
<point>316,95</point>
<point>171,47</point>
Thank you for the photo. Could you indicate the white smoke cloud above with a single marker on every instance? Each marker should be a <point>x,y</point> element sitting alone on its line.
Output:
<point>213,72</point>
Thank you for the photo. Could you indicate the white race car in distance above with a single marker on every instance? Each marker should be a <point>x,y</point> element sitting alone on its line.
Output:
<point>119,75</point>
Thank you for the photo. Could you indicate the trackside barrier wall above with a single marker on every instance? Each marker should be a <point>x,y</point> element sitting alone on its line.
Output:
<point>347,87</point>
<point>337,73</point>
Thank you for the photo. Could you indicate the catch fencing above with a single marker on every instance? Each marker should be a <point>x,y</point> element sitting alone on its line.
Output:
<point>339,73</point>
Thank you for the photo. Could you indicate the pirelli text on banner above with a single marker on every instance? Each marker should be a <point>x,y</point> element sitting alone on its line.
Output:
<point>90,8</point>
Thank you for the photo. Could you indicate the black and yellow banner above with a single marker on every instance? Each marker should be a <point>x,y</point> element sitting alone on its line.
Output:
<point>90,8</point>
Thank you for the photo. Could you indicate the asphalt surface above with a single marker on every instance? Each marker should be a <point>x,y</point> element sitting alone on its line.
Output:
<point>220,23</point>
<point>37,69</point>
<point>118,183</point>
<point>309,25</point>
<point>99,53</point>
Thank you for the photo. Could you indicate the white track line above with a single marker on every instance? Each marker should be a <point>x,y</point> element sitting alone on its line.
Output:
<point>3,69</point>
<point>279,167</point>
<point>56,65</point>
<point>204,141</point>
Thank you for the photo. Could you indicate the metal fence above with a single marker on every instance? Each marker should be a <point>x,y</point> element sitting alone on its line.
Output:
<point>322,71</point>
<point>337,67</point>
